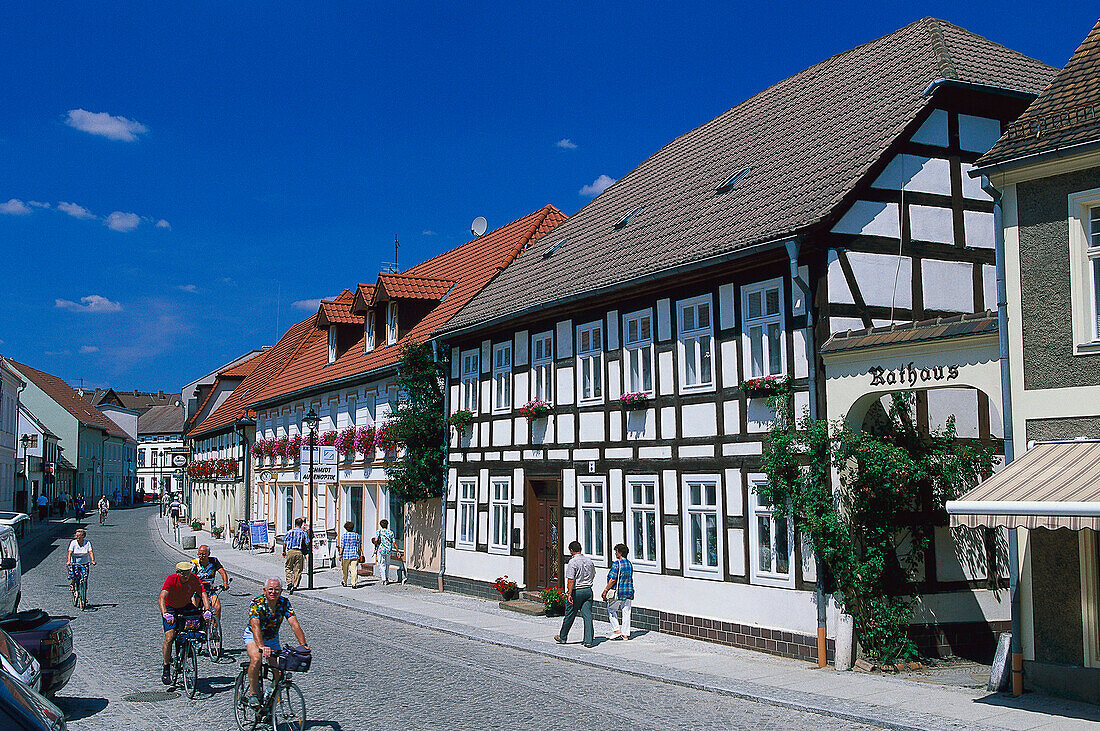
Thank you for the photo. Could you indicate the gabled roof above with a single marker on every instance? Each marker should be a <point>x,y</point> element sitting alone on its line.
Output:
<point>468,266</point>
<point>135,400</point>
<point>1066,113</point>
<point>70,400</point>
<point>161,420</point>
<point>807,142</point>
<point>403,286</point>
<point>245,367</point>
<point>272,360</point>
<point>364,294</point>
<point>338,311</point>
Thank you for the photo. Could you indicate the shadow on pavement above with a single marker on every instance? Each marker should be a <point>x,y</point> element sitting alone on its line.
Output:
<point>78,708</point>
<point>1040,703</point>
<point>324,724</point>
<point>214,684</point>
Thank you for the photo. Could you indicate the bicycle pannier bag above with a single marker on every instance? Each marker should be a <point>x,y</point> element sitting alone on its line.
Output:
<point>295,659</point>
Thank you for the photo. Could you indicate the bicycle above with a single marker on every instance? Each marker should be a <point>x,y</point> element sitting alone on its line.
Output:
<point>190,635</point>
<point>80,591</point>
<point>102,517</point>
<point>284,708</point>
<point>242,541</point>
<point>214,633</point>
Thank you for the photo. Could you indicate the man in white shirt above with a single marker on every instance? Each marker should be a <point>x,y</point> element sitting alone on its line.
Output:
<point>580,573</point>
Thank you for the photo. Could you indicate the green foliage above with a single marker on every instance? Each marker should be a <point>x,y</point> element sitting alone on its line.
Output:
<point>864,531</point>
<point>417,426</point>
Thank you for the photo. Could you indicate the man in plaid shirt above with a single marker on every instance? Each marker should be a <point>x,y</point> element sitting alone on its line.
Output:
<point>351,555</point>
<point>620,578</point>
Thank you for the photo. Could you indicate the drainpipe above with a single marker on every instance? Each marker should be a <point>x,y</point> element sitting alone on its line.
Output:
<point>246,453</point>
<point>446,453</point>
<point>18,399</point>
<point>811,372</point>
<point>1016,648</point>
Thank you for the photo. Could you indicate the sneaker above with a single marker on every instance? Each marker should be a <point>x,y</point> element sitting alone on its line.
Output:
<point>254,701</point>
<point>559,640</point>
<point>589,646</point>
<point>166,676</point>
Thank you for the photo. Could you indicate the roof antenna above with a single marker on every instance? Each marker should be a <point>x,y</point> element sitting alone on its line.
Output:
<point>396,268</point>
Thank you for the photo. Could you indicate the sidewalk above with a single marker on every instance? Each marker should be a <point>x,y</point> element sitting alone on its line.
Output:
<point>887,701</point>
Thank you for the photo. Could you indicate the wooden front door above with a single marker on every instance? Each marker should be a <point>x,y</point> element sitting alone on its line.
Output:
<point>543,534</point>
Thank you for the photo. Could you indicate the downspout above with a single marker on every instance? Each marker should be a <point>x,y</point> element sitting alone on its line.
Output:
<point>18,399</point>
<point>811,373</point>
<point>446,455</point>
<point>1016,649</point>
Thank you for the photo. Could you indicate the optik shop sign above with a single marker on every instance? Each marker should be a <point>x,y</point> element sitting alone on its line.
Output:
<point>907,375</point>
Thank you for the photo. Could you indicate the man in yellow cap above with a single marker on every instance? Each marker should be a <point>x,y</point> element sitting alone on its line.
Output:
<point>178,594</point>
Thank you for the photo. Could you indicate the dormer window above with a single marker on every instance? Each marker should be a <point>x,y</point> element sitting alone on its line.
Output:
<point>368,333</point>
<point>391,329</point>
<point>331,344</point>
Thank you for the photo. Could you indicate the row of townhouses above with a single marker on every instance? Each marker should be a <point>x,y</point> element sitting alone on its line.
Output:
<point>850,228</point>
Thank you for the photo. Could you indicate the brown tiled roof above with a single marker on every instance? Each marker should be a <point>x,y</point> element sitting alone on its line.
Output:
<point>469,266</point>
<point>70,400</point>
<point>807,142</point>
<point>403,286</point>
<point>913,332</point>
<point>244,368</point>
<point>161,420</point>
<point>1066,113</point>
<point>234,408</point>
<point>136,400</point>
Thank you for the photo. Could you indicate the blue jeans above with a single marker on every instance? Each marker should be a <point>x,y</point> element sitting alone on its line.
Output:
<point>581,604</point>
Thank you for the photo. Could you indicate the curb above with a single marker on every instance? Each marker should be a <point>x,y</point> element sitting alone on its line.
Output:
<point>844,709</point>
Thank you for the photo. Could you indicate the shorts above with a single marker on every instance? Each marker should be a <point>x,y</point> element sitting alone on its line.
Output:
<point>176,616</point>
<point>272,642</point>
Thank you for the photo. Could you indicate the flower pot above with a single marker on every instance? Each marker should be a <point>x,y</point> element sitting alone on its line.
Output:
<point>510,594</point>
<point>555,610</point>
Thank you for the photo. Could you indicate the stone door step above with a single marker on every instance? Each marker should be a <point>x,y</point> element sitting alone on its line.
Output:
<point>531,596</point>
<point>525,606</point>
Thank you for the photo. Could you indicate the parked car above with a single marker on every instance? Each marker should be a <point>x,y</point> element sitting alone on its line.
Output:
<point>11,571</point>
<point>22,709</point>
<point>49,640</point>
<point>18,521</point>
<point>18,663</point>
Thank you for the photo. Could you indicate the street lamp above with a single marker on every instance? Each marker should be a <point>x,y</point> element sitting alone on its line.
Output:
<point>25,440</point>
<point>311,420</point>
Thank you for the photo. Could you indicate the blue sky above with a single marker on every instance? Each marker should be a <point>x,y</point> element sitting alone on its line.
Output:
<point>176,185</point>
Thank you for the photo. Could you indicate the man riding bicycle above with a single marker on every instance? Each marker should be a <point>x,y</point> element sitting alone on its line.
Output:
<point>207,567</point>
<point>179,594</point>
<point>265,615</point>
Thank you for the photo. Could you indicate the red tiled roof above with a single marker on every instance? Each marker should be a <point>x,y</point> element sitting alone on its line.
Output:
<point>364,293</point>
<point>338,311</point>
<point>402,286</point>
<point>244,368</point>
<point>470,267</point>
<point>70,400</point>
<point>272,360</point>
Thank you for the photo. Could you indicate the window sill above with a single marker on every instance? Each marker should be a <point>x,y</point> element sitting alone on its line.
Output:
<point>777,581</point>
<point>699,572</point>
<point>590,402</point>
<point>465,546</point>
<point>1092,348</point>
<point>703,388</point>
<point>500,550</point>
<point>646,568</point>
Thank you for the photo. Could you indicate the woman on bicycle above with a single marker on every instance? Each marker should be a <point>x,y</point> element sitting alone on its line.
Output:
<point>261,637</point>
<point>79,557</point>
<point>104,506</point>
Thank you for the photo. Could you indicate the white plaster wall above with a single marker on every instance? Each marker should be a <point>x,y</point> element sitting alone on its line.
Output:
<point>520,349</point>
<point>980,605</point>
<point>483,566</point>
<point>978,134</point>
<point>844,324</point>
<point>726,295</point>
<point>670,503</point>
<point>641,424</point>
<point>563,337</point>
<point>960,554</point>
<point>972,187</point>
<point>931,223</point>
<point>563,387</point>
<point>591,426</point>
<point>960,402</point>
<point>758,415</point>
<point>948,285</point>
<point>664,320</point>
<point>666,383</point>
<point>668,422</point>
<point>838,286</point>
<point>979,229</point>
<point>870,218</point>
<point>934,130</point>
<point>801,361</point>
<point>699,420</point>
<point>731,417</point>
<point>566,429</point>
<point>916,173</point>
<point>615,493</point>
<point>729,363</point>
<point>736,558</point>
<point>612,330</point>
<point>614,380</point>
<point>875,274</point>
<point>671,537</point>
<point>502,433</point>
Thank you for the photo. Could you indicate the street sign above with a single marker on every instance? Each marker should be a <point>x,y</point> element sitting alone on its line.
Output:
<point>322,455</point>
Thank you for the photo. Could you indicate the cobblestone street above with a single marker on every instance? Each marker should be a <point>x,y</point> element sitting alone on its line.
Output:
<point>368,672</point>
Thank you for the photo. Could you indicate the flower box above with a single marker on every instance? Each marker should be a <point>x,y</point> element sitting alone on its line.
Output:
<point>508,589</point>
<point>462,419</point>
<point>634,400</point>
<point>766,386</point>
<point>535,410</point>
<point>553,599</point>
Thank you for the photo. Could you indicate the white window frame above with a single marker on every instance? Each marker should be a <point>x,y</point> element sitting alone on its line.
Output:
<point>641,562</point>
<point>470,376</point>
<point>598,510</point>
<point>1084,257</point>
<point>702,509</point>
<point>500,509</point>
<point>391,323</point>
<point>640,348</point>
<point>759,509</point>
<point>593,357</point>
<point>331,344</point>
<point>466,510</point>
<point>763,321</point>
<point>542,367</point>
<point>502,378</point>
<point>368,332</point>
<point>687,337</point>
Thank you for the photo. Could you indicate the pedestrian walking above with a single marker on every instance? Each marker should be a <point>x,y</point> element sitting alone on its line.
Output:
<point>351,555</point>
<point>80,506</point>
<point>295,543</point>
<point>620,580</point>
<point>580,574</point>
<point>383,546</point>
<point>43,507</point>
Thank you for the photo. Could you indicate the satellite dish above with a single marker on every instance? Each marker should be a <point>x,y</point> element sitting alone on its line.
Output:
<point>477,228</point>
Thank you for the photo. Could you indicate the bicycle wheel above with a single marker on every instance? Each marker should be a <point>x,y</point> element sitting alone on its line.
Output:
<point>214,639</point>
<point>190,669</point>
<point>245,714</point>
<point>82,594</point>
<point>290,709</point>
<point>75,592</point>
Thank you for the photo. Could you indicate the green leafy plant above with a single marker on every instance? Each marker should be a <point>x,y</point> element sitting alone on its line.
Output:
<point>461,419</point>
<point>417,425</point>
<point>553,598</point>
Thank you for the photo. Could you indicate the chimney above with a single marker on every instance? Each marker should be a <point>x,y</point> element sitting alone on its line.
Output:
<point>160,395</point>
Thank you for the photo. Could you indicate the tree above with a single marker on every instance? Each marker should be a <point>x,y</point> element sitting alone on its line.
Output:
<point>417,426</point>
<point>873,531</point>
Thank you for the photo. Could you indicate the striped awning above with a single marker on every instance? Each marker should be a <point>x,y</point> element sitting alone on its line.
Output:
<point>1052,485</point>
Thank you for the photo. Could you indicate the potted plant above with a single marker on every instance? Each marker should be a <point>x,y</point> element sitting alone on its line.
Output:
<point>634,400</point>
<point>554,600</point>
<point>766,386</point>
<point>507,588</point>
<point>216,532</point>
<point>536,409</point>
<point>462,419</point>
<point>364,441</point>
<point>196,525</point>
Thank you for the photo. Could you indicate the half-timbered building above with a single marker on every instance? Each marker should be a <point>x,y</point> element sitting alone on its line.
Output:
<point>836,199</point>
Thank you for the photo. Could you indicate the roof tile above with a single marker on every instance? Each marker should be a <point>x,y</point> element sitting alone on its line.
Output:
<point>69,400</point>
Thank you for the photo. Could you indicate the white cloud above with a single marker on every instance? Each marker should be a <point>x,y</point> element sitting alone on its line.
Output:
<point>428,232</point>
<point>15,207</point>
<point>309,304</point>
<point>38,204</point>
<point>56,352</point>
<point>566,144</point>
<point>597,186</point>
<point>75,210</point>
<point>230,281</point>
<point>91,303</point>
<point>88,349</point>
<point>163,224</point>
<point>119,221</point>
<point>187,288</point>
<point>105,125</point>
